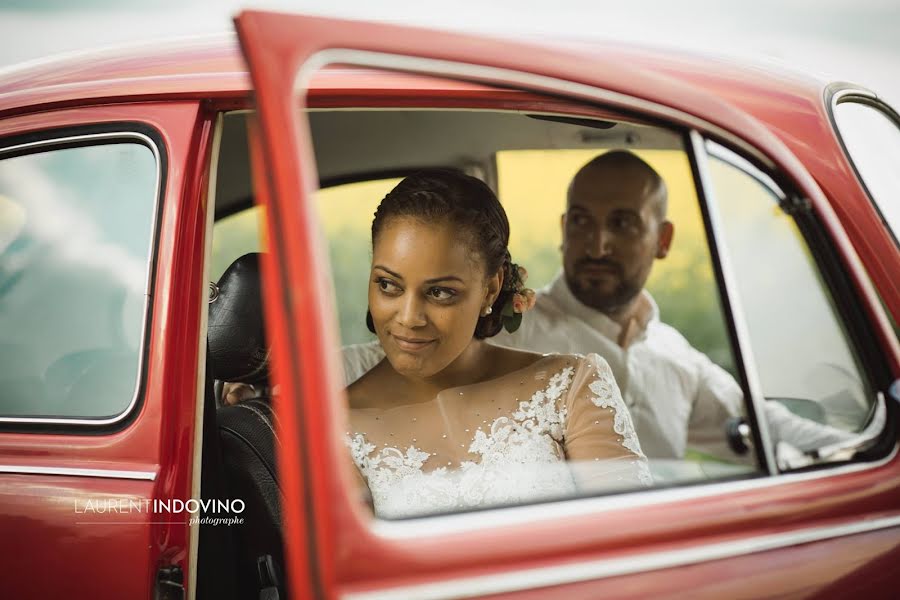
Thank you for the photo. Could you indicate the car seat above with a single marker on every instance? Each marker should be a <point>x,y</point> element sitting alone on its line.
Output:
<point>247,431</point>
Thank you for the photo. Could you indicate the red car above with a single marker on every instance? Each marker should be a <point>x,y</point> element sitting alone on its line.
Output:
<point>126,187</point>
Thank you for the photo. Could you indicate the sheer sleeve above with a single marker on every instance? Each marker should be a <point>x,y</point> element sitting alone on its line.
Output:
<point>599,440</point>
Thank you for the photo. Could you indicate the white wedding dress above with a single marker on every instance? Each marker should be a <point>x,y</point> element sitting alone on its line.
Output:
<point>556,428</point>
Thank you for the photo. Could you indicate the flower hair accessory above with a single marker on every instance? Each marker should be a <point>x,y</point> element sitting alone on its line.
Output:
<point>521,300</point>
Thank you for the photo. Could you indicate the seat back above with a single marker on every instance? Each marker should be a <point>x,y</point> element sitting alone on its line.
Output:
<point>247,431</point>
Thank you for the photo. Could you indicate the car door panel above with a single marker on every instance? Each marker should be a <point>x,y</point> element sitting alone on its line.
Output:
<point>77,502</point>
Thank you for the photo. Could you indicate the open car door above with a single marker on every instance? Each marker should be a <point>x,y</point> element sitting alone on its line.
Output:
<point>334,547</point>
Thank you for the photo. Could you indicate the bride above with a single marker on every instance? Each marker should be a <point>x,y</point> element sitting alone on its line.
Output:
<point>447,421</point>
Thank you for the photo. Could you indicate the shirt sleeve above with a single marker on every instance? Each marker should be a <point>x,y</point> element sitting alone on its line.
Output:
<point>801,433</point>
<point>599,439</point>
<point>718,398</point>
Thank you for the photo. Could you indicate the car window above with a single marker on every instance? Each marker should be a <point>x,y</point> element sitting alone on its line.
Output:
<point>529,162</point>
<point>872,140</point>
<point>802,352</point>
<point>76,225</point>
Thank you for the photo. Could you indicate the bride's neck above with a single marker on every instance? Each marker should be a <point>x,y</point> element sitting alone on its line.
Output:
<point>471,366</point>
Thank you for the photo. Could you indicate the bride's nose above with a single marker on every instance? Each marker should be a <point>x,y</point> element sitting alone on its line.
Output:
<point>412,311</point>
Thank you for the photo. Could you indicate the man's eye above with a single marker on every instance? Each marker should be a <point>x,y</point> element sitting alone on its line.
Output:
<point>441,293</point>
<point>624,222</point>
<point>579,221</point>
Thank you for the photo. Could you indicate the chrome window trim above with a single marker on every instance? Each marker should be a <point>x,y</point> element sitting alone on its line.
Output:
<point>706,194</point>
<point>148,142</point>
<point>737,161</point>
<point>542,577</point>
<point>72,472</point>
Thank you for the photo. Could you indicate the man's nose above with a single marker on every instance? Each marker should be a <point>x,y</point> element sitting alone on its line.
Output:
<point>412,311</point>
<point>599,243</point>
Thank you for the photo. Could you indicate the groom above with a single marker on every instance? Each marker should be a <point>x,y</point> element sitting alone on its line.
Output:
<point>613,230</point>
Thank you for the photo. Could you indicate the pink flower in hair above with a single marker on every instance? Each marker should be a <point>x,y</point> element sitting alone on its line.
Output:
<point>523,300</point>
<point>523,273</point>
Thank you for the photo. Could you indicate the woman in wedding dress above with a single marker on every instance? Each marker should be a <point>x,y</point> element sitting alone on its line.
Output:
<point>447,421</point>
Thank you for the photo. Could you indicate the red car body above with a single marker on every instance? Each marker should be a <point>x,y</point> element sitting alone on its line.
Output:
<point>801,535</point>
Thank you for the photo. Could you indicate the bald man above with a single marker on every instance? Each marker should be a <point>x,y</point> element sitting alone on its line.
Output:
<point>613,230</point>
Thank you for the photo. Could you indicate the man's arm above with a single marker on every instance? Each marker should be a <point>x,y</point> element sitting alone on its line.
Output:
<point>719,397</point>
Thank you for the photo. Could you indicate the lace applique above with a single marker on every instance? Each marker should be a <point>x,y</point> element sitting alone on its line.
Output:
<point>607,395</point>
<point>521,457</point>
<point>505,473</point>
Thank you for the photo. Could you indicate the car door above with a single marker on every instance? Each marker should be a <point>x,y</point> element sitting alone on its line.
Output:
<point>102,300</point>
<point>721,541</point>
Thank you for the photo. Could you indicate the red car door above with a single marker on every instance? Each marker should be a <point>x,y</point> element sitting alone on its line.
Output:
<point>102,308</point>
<point>722,541</point>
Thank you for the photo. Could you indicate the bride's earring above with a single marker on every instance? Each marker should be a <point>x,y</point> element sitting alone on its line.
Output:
<point>487,311</point>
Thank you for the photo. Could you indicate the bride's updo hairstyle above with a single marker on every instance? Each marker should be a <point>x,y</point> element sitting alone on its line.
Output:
<point>444,196</point>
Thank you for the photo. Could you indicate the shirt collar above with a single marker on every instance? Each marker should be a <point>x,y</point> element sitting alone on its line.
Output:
<point>646,313</point>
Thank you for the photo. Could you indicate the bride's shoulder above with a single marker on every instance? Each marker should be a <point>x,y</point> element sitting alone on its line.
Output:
<point>518,361</point>
<point>576,362</point>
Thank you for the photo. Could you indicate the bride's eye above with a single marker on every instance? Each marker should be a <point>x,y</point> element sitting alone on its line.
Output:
<point>441,293</point>
<point>387,286</point>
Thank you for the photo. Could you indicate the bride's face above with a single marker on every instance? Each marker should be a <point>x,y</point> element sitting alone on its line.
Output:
<point>426,292</point>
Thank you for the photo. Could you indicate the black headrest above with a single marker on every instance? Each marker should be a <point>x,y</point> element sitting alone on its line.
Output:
<point>237,336</point>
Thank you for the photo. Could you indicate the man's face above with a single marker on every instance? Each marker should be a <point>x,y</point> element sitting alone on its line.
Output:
<point>612,230</point>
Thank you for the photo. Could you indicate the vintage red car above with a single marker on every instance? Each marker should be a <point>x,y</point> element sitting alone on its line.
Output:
<point>125,188</point>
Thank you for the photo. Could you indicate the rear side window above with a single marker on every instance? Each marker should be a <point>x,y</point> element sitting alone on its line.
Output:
<point>76,224</point>
<point>872,140</point>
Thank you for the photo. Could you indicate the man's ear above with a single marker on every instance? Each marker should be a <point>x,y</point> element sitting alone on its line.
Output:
<point>666,233</point>
<point>562,230</point>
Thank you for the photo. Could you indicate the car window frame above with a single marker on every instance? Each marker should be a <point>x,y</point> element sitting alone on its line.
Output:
<point>777,182</point>
<point>78,136</point>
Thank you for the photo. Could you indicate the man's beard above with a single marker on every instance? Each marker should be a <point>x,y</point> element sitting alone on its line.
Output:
<point>596,298</point>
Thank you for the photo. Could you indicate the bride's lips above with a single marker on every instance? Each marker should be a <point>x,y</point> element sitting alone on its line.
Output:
<point>411,344</point>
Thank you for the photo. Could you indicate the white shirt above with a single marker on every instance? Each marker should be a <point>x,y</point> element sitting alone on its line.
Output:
<point>678,397</point>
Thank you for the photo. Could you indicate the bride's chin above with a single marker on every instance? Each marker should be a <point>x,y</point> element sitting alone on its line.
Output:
<point>410,366</point>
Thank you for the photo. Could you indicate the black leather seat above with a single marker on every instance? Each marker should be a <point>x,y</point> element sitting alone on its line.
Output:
<point>247,431</point>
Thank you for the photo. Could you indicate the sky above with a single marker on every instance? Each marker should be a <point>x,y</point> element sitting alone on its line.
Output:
<point>856,41</point>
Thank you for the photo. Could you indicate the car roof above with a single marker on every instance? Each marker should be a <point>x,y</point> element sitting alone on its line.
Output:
<point>212,66</point>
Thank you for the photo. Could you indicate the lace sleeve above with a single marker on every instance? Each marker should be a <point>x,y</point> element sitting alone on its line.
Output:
<point>600,441</point>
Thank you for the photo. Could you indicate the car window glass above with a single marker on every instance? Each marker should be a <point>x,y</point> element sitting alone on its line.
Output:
<point>529,162</point>
<point>75,232</point>
<point>802,353</point>
<point>872,140</point>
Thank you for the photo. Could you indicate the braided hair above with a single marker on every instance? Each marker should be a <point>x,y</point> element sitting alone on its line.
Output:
<point>472,208</point>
